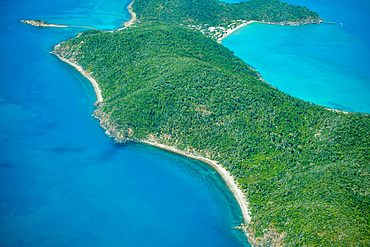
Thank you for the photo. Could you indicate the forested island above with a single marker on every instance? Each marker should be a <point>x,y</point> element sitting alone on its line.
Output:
<point>304,169</point>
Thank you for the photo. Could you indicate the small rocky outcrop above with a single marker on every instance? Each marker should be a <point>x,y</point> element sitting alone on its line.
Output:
<point>40,23</point>
<point>111,129</point>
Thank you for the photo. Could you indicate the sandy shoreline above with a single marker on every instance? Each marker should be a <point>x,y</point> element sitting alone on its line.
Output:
<point>335,110</point>
<point>131,21</point>
<point>88,76</point>
<point>231,183</point>
<point>132,13</point>
<point>230,31</point>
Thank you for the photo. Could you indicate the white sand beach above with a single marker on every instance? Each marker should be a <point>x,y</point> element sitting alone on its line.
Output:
<point>230,31</point>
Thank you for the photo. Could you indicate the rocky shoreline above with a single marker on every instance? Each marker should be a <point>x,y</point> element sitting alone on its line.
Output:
<point>111,129</point>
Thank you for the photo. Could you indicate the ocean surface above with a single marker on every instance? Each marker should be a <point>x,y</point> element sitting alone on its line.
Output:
<point>327,64</point>
<point>63,182</point>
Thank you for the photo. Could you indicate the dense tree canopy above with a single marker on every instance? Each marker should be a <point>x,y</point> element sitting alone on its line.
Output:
<point>305,169</point>
<point>217,13</point>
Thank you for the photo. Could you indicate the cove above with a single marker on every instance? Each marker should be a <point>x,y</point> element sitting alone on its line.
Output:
<point>326,64</point>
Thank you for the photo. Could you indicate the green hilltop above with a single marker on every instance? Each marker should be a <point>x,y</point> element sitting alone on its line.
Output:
<point>304,168</point>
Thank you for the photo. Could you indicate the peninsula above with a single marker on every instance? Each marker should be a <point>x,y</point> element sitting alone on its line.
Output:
<point>304,170</point>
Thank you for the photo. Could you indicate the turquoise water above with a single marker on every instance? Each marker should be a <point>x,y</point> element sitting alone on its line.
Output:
<point>326,64</point>
<point>63,182</point>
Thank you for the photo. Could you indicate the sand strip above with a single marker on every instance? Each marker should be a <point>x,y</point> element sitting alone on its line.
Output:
<point>131,21</point>
<point>132,13</point>
<point>230,31</point>
<point>88,76</point>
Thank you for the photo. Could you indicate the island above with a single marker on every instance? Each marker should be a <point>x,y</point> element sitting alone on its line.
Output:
<point>40,23</point>
<point>299,171</point>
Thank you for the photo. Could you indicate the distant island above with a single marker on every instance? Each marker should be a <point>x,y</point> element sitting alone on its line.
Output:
<point>40,23</point>
<point>301,171</point>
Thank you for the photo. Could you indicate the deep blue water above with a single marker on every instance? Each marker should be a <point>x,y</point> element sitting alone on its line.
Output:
<point>63,182</point>
<point>325,64</point>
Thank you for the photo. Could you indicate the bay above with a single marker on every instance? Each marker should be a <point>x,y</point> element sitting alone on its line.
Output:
<point>326,64</point>
<point>63,182</point>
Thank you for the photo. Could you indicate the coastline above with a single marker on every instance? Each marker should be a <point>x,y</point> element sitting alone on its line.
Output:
<point>230,31</point>
<point>131,21</point>
<point>229,180</point>
<point>133,15</point>
<point>335,110</point>
<point>80,69</point>
<point>111,130</point>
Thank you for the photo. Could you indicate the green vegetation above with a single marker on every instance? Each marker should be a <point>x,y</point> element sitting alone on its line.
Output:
<point>304,169</point>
